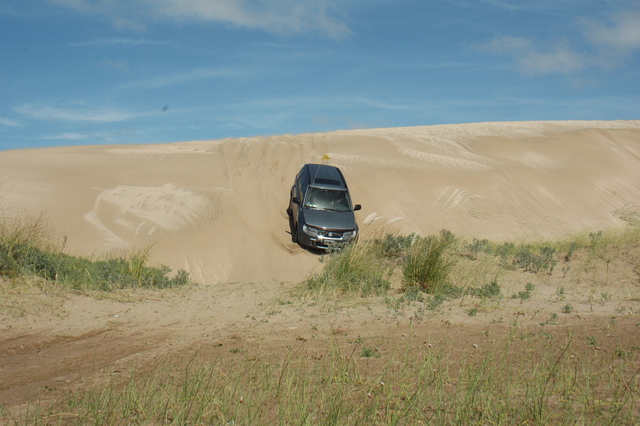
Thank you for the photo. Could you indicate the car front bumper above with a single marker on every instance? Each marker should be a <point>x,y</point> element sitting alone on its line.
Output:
<point>327,240</point>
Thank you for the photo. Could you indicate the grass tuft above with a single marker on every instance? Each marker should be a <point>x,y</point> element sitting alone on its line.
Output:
<point>355,268</point>
<point>26,250</point>
<point>427,264</point>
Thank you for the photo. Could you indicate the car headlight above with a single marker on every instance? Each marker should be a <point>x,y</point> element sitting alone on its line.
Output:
<point>349,235</point>
<point>312,232</point>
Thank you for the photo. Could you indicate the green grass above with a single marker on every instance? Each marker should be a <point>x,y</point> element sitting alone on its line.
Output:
<point>26,250</point>
<point>427,264</point>
<point>511,381</point>
<point>430,264</point>
<point>540,379</point>
<point>526,294</point>
<point>355,268</point>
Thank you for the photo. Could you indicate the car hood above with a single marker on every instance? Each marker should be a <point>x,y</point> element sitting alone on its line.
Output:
<point>327,219</point>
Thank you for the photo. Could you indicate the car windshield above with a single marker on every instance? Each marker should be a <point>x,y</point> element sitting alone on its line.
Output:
<point>327,199</point>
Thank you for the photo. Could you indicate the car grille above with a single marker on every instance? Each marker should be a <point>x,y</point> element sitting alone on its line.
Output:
<point>330,234</point>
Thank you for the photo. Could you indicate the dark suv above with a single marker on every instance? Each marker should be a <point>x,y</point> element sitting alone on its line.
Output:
<point>320,210</point>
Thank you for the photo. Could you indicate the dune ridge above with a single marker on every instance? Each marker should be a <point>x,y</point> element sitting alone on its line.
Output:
<point>217,208</point>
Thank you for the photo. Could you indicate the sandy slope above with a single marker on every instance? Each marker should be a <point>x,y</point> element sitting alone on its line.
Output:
<point>217,208</point>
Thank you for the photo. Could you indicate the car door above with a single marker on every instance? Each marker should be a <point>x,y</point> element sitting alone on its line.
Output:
<point>296,192</point>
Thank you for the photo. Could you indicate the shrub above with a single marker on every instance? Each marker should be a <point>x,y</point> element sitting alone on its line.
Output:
<point>23,245</point>
<point>119,273</point>
<point>487,291</point>
<point>24,250</point>
<point>526,294</point>
<point>476,246</point>
<point>426,264</point>
<point>395,246</point>
<point>354,268</point>
<point>532,262</point>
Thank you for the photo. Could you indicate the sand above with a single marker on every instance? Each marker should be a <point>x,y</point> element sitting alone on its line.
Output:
<point>217,208</point>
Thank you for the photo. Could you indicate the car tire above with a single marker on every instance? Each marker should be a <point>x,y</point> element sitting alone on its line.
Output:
<point>289,211</point>
<point>294,230</point>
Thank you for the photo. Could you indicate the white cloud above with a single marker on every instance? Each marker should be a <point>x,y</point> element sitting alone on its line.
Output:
<point>532,61</point>
<point>560,59</point>
<point>102,136</point>
<point>285,16</point>
<point>623,35</point>
<point>118,65</point>
<point>9,123</point>
<point>281,17</point>
<point>74,115</point>
<point>501,4</point>
<point>508,45</point>
<point>115,41</point>
<point>70,136</point>
<point>184,78</point>
<point>76,4</point>
<point>599,44</point>
<point>129,24</point>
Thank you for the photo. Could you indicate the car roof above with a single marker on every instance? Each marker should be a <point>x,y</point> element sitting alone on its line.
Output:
<point>325,177</point>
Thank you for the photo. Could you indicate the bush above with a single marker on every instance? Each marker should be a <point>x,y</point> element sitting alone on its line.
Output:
<point>119,273</point>
<point>395,246</point>
<point>427,265</point>
<point>354,268</point>
<point>532,262</point>
<point>487,291</point>
<point>23,245</point>
<point>24,250</point>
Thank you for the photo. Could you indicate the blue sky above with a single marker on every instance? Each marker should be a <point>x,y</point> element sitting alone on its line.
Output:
<point>84,72</point>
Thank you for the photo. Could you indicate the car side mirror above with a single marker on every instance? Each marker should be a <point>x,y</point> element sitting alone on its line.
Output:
<point>296,200</point>
<point>357,207</point>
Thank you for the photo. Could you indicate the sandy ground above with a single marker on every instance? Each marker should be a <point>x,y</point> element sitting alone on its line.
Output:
<point>217,209</point>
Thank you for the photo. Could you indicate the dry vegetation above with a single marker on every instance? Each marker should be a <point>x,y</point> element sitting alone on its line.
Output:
<point>451,331</point>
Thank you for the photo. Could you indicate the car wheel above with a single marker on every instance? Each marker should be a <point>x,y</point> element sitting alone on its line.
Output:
<point>295,235</point>
<point>289,211</point>
<point>294,230</point>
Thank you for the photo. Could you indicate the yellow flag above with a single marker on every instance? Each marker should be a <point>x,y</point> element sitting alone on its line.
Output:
<point>326,157</point>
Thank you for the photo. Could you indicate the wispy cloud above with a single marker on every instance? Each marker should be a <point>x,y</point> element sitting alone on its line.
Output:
<point>89,137</point>
<point>77,114</point>
<point>622,35</point>
<point>593,47</point>
<point>321,101</point>
<point>286,16</point>
<point>8,10</point>
<point>281,17</point>
<point>119,65</point>
<point>9,122</point>
<point>74,136</point>
<point>501,4</point>
<point>119,41</point>
<point>185,78</point>
<point>128,24</point>
<point>533,61</point>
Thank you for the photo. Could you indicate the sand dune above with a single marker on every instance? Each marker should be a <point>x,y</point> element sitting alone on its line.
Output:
<point>217,208</point>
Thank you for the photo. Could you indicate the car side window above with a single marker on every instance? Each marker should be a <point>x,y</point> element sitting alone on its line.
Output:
<point>299,188</point>
<point>302,184</point>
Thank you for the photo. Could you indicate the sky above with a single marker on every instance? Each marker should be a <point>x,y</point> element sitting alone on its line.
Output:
<point>90,72</point>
